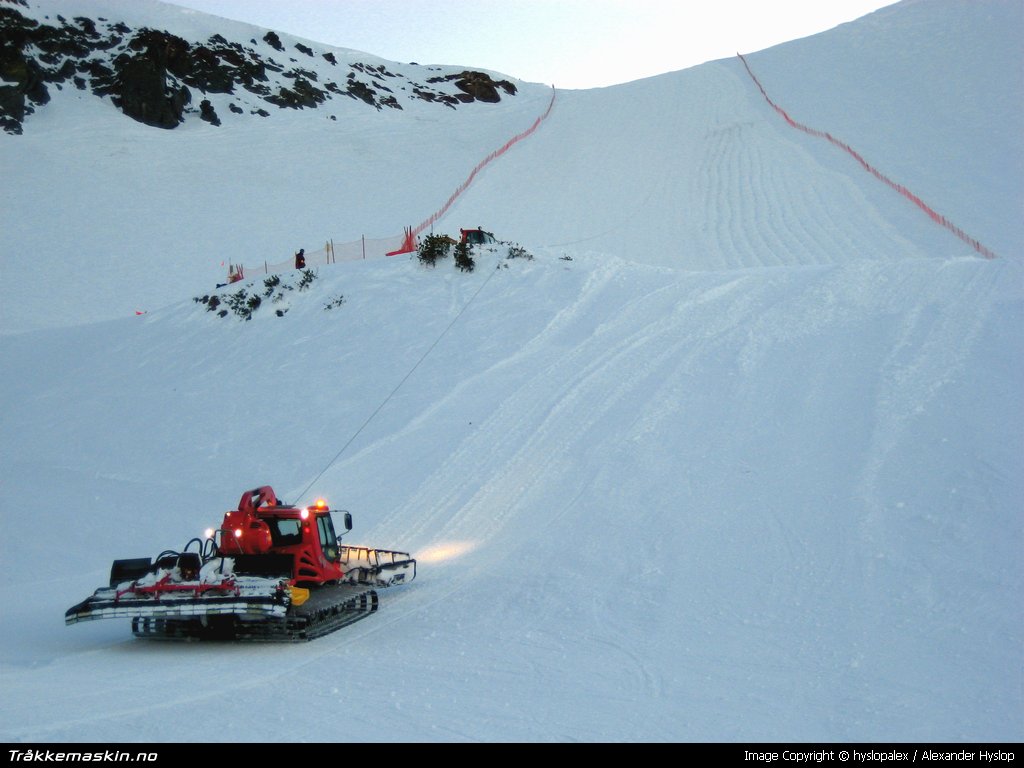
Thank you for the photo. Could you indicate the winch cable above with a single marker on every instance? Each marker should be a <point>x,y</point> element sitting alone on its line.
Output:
<point>399,385</point>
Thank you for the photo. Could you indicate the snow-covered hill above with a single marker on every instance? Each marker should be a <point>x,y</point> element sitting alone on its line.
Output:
<point>736,456</point>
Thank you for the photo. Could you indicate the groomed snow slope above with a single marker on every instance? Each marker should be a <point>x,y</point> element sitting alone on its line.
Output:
<point>692,169</point>
<point>755,480</point>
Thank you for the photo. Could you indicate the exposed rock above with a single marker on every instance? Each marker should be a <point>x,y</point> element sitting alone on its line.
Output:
<point>273,41</point>
<point>296,73</point>
<point>150,74</point>
<point>23,80</point>
<point>378,71</point>
<point>141,86</point>
<point>211,71</point>
<point>144,94</point>
<point>479,86</point>
<point>440,98</point>
<point>208,113</point>
<point>259,89</point>
<point>302,94</point>
<point>12,108</point>
<point>360,90</point>
<point>88,26</point>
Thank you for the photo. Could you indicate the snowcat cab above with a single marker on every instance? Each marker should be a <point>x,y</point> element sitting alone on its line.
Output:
<point>272,571</point>
<point>262,526</point>
<point>477,236</point>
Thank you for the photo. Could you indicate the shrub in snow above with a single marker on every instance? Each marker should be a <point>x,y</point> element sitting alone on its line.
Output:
<point>238,302</point>
<point>518,252</point>
<point>464,257</point>
<point>247,300</point>
<point>432,248</point>
<point>211,302</point>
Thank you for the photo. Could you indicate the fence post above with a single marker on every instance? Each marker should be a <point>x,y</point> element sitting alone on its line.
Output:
<point>364,246</point>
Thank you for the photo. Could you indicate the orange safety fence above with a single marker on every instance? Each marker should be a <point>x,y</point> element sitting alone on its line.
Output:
<point>331,252</point>
<point>482,164</point>
<point>934,215</point>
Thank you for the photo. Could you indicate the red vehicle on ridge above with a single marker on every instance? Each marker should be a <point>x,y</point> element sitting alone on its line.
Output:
<point>476,236</point>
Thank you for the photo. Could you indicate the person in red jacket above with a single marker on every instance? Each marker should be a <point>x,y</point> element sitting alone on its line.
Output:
<point>300,259</point>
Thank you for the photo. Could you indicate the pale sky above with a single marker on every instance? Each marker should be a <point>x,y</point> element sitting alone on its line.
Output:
<point>567,43</point>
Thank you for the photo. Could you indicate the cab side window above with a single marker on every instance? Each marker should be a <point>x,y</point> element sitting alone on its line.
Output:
<point>328,539</point>
<point>285,533</point>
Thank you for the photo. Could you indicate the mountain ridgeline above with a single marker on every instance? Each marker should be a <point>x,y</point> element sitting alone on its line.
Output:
<point>162,80</point>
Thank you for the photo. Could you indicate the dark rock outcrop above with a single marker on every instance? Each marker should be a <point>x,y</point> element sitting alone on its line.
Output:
<point>141,87</point>
<point>301,95</point>
<point>151,75</point>
<point>477,86</point>
<point>23,80</point>
<point>273,41</point>
<point>482,88</point>
<point>208,113</point>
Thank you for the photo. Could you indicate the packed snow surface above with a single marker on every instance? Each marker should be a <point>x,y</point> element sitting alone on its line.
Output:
<point>735,456</point>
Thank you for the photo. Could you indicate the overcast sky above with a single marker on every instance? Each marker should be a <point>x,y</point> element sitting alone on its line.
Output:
<point>567,43</point>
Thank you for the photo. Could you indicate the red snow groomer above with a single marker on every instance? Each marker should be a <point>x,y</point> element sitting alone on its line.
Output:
<point>272,571</point>
<point>476,236</point>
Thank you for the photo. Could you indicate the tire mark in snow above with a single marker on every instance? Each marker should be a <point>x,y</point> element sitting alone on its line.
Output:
<point>759,209</point>
<point>933,345</point>
<point>527,444</point>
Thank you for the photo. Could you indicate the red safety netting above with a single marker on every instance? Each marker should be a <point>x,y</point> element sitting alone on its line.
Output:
<point>483,163</point>
<point>331,252</point>
<point>934,215</point>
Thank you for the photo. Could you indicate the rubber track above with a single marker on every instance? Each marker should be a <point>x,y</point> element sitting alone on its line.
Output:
<point>312,620</point>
